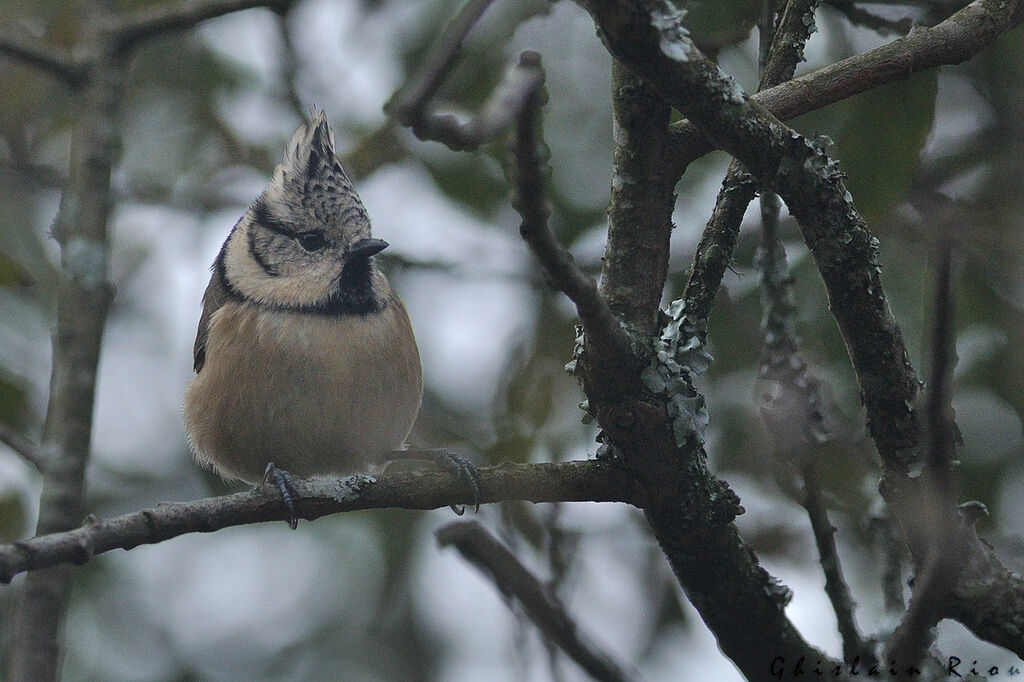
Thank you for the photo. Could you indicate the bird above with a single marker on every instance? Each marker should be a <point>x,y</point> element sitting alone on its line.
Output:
<point>305,359</point>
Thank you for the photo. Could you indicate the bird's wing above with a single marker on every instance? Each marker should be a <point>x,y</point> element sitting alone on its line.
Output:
<point>217,294</point>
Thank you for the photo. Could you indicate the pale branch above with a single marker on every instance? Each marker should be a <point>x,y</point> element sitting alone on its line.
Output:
<point>499,112</point>
<point>28,450</point>
<point>409,104</point>
<point>51,58</point>
<point>955,40</point>
<point>576,481</point>
<point>541,605</point>
<point>636,254</point>
<point>152,21</point>
<point>527,177</point>
<point>83,298</point>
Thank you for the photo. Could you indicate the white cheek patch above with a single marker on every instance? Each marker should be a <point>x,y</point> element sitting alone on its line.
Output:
<point>305,285</point>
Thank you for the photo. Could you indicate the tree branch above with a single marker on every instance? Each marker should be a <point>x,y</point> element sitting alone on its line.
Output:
<point>810,183</point>
<point>527,176</point>
<point>781,53</point>
<point>57,61</point>
<point>153,21</point>
<point>83,296</point>
<point>539,603</point>
<point>635,262</point>
<point>800,417</point>
<point>408,105</point>
<point>955,40</point>
<point>31,452</point>
<point>577,481</point>
<point>938,521</point>
<point>498,113</point>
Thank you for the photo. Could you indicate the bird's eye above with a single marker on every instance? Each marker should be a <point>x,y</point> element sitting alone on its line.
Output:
<point>312,241</point>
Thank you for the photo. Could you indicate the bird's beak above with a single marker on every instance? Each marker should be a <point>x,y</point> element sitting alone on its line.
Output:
<point>364,248</point>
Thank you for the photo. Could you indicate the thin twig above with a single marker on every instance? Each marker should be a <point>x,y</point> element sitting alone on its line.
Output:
<point>939,521</point>
<point>797,412</point>
<point>527,176</point>
<point>861,17</point>
<point>496,115</point>
<point>539,603</point>
<point>588,480</point>
<point>56,60</point>
<point>31,453</point>
<point>780,55</point>
<point>408,105</point>
<point>152,21</point>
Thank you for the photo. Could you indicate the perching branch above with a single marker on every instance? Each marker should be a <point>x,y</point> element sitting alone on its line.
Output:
<point>57,61</point>
<point>28,450</point>
<point>539,603</point>
<point>577,481</point>
<point>955,40</point>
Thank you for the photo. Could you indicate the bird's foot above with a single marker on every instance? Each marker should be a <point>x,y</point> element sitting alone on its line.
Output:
<point>465,470</point>
<point>282,481</point>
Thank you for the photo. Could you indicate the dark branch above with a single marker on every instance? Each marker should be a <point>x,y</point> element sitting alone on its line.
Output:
<point>153,21</point>
<point>861,17</point>
<point>955,40</point>
<point>497,114</point>
<point>938,521</point>
<point>408,105</point>
<point>527,176</point>
<point>32,453</point>
<point>57,61</point>
<point>539,603</point>
<point>570,482</point>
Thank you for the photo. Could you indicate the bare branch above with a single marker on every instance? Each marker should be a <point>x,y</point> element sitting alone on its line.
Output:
<point>152,21</point>
<point>32,453</point>
<point>800,417</point>
<point>541,605</point>
<point>497,114</point>
<point>56,60</point>
<point>955,40</point>
<point>526,173</point>
<point>408,105</point>
<point>83,297</point>
<point>861,17</point>
<point>570,481</point>
<point>938,521</point>
<point>635,262</point>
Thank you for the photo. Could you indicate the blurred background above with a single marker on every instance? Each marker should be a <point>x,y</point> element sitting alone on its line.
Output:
<point>369,595</point>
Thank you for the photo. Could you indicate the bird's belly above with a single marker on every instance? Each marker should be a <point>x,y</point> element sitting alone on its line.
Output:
<point>276,387</point>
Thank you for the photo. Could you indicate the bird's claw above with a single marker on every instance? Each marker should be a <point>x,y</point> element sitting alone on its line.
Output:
<point>282,481</point>
<point>467,473</point>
